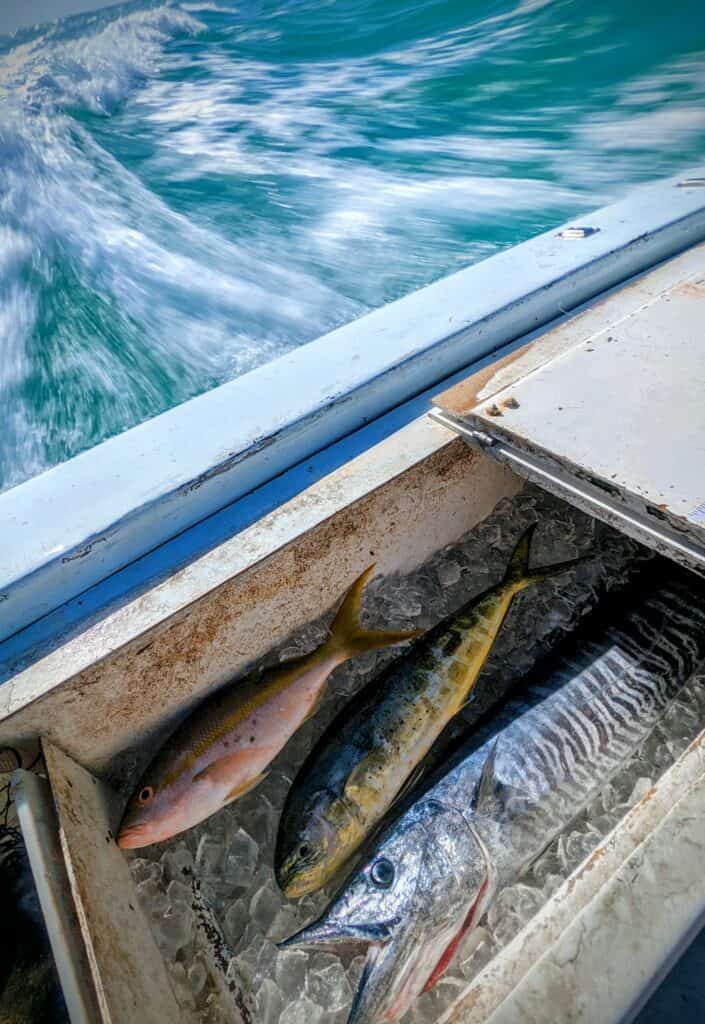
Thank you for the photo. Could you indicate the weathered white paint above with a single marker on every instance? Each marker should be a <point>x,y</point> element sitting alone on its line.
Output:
<point>609,413</point>
<point>129,974</point>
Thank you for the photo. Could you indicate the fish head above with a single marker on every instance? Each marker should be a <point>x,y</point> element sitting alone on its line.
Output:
<point>410,904</point>
<point>163,805</point>
<point>309,856</point>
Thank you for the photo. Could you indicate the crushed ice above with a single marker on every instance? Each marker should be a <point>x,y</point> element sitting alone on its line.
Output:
<point>231,853</point>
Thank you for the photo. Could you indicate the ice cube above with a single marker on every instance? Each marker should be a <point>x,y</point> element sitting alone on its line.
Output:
<point>197,977</point>
<point>264,906</point>
<point>266,959</point>
<point>153,897</point>
<point>320,960</point>
<point>477,951</point>
<point>174,930</point>
<point>182,989</point>
<point>241,861</point>
<point>642,786</point>
<point>292,651</point>
<point>550,885</point>
<point>408,603</point>
<point>235,922</point>
<point>302,1011</point>
<point>355,969</point>
<point>448,573</point>
<point>284,924</point>
<point>578,846</point>
<point>209,859</point>
<point>142,870</point>
<point>179,893</point>
<point>178,863</point>
<point>263,821</point>
<point>425,1010</point>
<point>213,1012</point>
<point>526,900</point>
<point>270,1002</point>
<point>249,953</point>
<point>290,972</point>
<point>505,916</point>
<point>609,798</point>
<point>330,987</point>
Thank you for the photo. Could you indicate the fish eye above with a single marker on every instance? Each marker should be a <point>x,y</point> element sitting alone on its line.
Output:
<point>145,795</point>
<point>382,873</point>
<point>304,850</point>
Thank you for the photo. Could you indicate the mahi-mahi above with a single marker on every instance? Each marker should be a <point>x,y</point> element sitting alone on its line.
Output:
<point>371,755</point>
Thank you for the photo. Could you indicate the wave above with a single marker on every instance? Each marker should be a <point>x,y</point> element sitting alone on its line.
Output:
<point>190,189</point>
<point>114,307</point>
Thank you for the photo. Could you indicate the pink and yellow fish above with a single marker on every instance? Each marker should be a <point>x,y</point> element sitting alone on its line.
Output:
<point>223,749</point>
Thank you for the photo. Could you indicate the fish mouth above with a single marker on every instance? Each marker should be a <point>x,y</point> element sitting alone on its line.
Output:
<point>376,997</point>
<point>133,837</point>
<point>296,888</point>
<point>333,933</point>
<point>294,884</point>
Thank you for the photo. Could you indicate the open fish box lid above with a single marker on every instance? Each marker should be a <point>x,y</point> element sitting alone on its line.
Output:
<point>607,409</point>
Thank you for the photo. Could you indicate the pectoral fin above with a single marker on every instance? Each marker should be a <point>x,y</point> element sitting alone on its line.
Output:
<point>314,707</point>
<point>222,771</point>
<point>244,787</point>
<point>366,776</point>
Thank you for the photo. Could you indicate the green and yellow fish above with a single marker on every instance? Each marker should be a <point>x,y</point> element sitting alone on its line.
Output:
<point>368,757</point>
<point>223,749</point>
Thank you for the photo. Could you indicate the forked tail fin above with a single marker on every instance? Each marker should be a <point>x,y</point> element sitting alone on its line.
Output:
<point>518,573</point>
<point>518,568</point>
<point>347,635</point>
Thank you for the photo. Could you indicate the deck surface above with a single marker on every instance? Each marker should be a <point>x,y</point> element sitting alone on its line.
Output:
<point>611,406</point>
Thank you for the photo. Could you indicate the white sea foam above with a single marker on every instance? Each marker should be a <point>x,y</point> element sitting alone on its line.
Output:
<point>187,308</point>
<point>179,211</point>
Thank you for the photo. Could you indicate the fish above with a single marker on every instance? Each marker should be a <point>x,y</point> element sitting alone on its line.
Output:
<point>436,870</point>
<point>370,757</point>
<point>222,750</point>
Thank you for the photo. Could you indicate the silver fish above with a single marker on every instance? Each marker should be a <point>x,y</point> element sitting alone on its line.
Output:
<point>435,871</point>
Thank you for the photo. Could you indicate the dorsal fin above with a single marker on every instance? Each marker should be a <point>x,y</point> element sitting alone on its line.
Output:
<point>486,790</point>
<point>494,797</point>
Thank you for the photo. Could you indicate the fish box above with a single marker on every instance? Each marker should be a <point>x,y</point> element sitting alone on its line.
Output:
<point>188,929</point>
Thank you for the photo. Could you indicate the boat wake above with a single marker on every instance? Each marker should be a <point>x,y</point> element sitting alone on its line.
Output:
<point>189,190</point>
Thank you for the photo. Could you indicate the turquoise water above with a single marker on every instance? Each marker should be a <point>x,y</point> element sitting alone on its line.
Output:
<point>188,190</point>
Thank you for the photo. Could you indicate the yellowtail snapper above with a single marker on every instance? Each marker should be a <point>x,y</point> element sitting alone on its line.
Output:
<point>223,749</point>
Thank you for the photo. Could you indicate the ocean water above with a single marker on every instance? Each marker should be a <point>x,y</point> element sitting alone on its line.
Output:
<point>190,189</point>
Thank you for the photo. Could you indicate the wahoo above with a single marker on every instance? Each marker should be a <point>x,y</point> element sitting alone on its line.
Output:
<point>435,871</point>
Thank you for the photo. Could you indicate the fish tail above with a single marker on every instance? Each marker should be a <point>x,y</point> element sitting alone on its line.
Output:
<point>347,634</point>
<point>518,568</point>
<point>518,573</point>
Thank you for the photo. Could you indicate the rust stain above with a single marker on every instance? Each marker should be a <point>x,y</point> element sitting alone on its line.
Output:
<point>691,289</point>
<point>134,696</point>
<point>466,1003</point>
<point>463,397</point>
